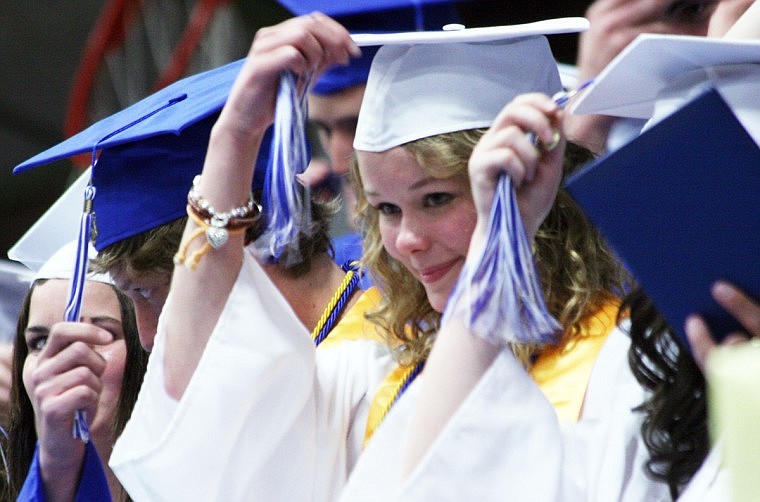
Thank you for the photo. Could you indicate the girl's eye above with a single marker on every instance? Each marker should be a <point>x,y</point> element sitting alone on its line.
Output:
<point>387,209</point>
<point>438,199</point>
<point>37,343</point>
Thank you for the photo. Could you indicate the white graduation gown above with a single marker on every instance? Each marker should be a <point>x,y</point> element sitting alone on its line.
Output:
<point>265,415</point>
<point>505,443</point>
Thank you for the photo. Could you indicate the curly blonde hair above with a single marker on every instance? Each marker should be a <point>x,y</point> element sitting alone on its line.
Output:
<point>578,271</point>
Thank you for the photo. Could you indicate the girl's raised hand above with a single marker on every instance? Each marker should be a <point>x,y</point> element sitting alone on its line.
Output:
<point>514,145</point>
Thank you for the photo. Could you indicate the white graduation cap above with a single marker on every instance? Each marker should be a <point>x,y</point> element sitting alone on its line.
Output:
<point>57,226</point>
<point>61,264</point>
<point>657,74</point>
<point>427,83</point>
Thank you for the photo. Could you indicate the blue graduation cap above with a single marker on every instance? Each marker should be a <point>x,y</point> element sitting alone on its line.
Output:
<point>145,156</point>
<point>343,8</point>
<point>679,204</point>
<point>143,161</point>
<point>372,17</point>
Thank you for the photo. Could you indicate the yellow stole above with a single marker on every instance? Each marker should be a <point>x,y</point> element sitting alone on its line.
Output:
<point>561,372</point>
<point>384,398</point>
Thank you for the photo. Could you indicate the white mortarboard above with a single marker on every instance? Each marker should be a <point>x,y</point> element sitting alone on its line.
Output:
<point>473,72</point>
<point>14,282</point>
<point>57,226</point>
<point>61,265</point>
<point>657,74</point>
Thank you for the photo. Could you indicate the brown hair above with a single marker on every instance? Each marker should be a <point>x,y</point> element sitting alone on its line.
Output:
<point>154,249</point>
<point>22,436</point>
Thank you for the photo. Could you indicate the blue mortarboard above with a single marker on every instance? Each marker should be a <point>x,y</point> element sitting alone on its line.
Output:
<point>372,17</point>
<point>341,8</point>
<point>149,154</point>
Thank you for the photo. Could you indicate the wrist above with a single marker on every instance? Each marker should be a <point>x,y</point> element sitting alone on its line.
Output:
<point>590,131</point>
<point>60,474</point>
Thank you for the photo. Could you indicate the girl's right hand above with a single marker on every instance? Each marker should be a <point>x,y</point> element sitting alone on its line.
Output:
<point>305,45</point>
<point>66,378</point>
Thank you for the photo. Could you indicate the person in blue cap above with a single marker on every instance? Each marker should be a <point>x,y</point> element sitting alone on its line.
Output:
<point>142,176</point>
<point>334,103</point>
<point>96,365</point>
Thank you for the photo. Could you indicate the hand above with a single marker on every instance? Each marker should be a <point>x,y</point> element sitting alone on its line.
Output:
<point>507,148</point>
<point>745,310</point>
<point>614,24</point>
<point>65,377</point>
<point>305,45</point>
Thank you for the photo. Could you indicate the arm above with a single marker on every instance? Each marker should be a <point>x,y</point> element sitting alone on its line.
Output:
<point>66,379</point>
<point>301,45</point>
<point>93,485</point>
<point>505,148</point>
<point>748,25</point>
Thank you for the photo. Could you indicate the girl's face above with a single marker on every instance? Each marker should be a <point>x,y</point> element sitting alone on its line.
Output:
<point>100,307</point>
<point>425,223</point>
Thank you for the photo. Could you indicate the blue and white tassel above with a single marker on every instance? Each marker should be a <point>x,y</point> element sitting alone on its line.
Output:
<point>287,210</point>
<point>76,292</point>
<point>500,292</point>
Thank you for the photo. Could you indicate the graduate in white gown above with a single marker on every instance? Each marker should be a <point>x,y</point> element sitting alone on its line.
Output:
<point>478,427</point>
<point>293,434</point>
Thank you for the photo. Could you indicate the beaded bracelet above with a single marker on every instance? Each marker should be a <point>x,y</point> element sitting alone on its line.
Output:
<point>217,226</point>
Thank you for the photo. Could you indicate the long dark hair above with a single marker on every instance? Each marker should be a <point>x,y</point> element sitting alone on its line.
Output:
<point>22,436</point>
<point>674,429</point>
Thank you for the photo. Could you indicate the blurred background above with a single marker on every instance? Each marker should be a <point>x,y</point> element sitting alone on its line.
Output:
<point>64,65</point>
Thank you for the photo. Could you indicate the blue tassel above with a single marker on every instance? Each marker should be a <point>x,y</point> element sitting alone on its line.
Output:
<point>500,293</point>
<point>288,212</point>
<point>80,430</point>
<point>506,304</point>
<point>76,291</point>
